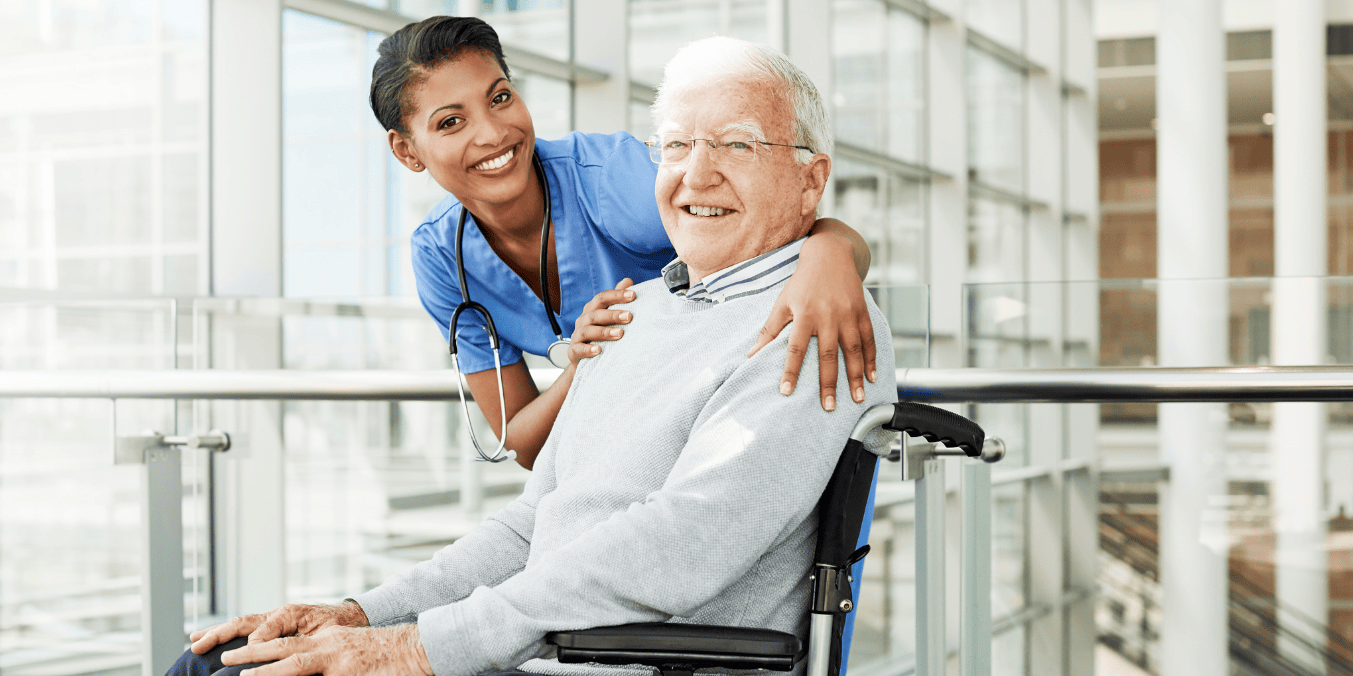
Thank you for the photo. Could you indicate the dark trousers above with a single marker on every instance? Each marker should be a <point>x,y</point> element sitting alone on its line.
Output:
<point>210,663</point>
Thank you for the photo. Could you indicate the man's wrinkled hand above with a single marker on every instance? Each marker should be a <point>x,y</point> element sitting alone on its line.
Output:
<point>289,620</point>
<point>337,651</point>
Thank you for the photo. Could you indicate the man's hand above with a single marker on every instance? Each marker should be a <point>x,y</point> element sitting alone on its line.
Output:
<point>289,620</point>
<point>337,651</point>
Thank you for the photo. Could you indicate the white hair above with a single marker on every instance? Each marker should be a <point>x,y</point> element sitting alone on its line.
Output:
<point>711,59</point>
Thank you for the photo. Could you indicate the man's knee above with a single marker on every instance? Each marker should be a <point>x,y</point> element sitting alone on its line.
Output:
<point>235,670</point>
<point>190,664</point>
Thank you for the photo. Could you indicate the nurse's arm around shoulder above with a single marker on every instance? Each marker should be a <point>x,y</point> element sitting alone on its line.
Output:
<point>531,413</point>
<point>825,298</point>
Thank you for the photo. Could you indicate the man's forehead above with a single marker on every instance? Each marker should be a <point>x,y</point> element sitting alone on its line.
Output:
<point>720,105</point>
<point>748,126</point>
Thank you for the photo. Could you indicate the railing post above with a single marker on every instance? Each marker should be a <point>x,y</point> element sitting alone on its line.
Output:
<point>162,636</point>
<point>930,624</point>
<point>974,618</point>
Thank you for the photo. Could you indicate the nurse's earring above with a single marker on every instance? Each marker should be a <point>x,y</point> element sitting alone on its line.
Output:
<point>417,166</point>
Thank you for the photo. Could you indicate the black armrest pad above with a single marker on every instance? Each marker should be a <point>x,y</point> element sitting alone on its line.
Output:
<point>679,638</point>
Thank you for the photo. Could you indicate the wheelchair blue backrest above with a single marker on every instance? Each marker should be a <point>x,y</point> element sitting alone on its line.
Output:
<point>857,571</point>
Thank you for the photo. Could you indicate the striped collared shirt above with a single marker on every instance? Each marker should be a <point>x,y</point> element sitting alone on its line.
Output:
<point>743,279</point>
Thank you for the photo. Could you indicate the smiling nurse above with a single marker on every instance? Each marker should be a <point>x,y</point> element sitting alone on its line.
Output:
<point>442,91</point>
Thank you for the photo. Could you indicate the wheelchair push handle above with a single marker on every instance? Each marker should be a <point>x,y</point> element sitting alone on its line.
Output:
<point>937,425</point>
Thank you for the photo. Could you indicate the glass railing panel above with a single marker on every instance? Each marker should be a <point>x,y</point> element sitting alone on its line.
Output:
<point>1117,324</point>
<point>375,487</point>
<point>885,628</point>
<point>1009,532</point>
<point>71,550</point>
<point>371,487</point>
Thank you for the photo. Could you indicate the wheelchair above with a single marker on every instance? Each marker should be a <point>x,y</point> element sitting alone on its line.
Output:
<point>844,513</point>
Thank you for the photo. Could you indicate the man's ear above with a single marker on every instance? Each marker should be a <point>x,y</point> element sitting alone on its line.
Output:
<point>815,174</point>
<point>403,149</point>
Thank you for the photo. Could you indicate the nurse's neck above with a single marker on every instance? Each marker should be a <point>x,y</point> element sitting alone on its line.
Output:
<point>514,221</point>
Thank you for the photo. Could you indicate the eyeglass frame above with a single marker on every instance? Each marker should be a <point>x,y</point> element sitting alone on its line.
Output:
<point>654,144</point>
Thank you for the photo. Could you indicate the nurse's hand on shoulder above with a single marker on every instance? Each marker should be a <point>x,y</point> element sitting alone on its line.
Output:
<point>824,298</point>
<point>599,323</point>
<point>289,620</point>
<point>338,651</point>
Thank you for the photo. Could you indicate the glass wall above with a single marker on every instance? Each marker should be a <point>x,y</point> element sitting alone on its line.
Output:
<point>878,71</point>
<point>341,237</point>
<point>658,28</point>
<point>103,140</point>
<point>348,205</point>
<point>995,122</point>
<point>888,210</point>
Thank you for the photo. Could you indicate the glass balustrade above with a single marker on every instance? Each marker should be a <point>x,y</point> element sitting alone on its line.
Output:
<point>1136,323</point>
<point>70,520</point>
<point>366,489</point>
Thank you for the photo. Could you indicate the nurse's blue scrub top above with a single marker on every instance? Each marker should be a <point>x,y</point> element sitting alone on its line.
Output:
<point>606,228</point>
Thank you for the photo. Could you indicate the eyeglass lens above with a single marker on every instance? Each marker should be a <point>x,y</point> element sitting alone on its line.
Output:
<point>677,148</point>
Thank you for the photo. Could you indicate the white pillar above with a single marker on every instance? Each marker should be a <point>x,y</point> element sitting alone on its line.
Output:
<point>1192,330</point>
<point>1299,316</point>
<point>602,106</point>
<point>246,260</point>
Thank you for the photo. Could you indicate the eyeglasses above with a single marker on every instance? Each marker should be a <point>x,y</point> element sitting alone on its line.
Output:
<point>673,148</point>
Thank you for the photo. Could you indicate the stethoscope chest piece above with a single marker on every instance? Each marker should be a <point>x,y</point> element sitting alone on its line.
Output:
<point>558,353</point>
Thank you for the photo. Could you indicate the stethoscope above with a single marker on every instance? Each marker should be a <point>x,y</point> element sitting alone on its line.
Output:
<point>558,351</point>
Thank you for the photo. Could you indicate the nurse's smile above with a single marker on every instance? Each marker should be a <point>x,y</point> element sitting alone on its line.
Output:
<point>497,161</point>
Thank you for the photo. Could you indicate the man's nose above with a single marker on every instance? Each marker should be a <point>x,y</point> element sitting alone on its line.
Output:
<point>702,168</point>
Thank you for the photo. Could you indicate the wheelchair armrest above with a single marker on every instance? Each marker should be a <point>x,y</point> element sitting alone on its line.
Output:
<point>679,646</point>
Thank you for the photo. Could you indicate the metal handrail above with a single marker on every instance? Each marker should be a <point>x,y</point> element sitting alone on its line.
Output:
<point>1248,384</point>
<point>1150,384</point>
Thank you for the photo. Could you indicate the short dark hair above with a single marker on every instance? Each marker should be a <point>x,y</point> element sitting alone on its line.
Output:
<point>409,53</point>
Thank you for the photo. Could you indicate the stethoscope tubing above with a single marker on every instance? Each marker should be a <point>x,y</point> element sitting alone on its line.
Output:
<point>554,354</point>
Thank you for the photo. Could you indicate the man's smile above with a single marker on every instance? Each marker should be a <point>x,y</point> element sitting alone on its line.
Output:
<point>698,210</point>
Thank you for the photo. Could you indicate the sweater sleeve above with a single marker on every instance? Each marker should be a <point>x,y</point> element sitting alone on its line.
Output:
<point>494,551</point>
<point>751,471</point>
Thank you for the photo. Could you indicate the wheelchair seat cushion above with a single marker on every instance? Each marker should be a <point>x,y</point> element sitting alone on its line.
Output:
<point>679,638</point>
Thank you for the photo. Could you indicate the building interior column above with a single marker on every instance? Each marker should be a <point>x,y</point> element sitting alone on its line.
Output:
<point>1299,322</point>
<point>1192,329</point>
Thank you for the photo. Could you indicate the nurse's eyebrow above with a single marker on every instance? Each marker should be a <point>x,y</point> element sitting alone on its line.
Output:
<point>455,106</point>
<point>459,106</point>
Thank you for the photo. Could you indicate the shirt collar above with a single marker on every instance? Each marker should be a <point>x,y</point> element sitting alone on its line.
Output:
<point>743,279</point>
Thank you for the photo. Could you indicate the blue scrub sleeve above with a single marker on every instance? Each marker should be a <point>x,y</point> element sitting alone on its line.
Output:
<point>627,212</point>
<point>435,276</point>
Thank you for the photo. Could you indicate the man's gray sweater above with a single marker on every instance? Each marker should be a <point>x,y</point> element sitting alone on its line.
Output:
<point>678,485</point>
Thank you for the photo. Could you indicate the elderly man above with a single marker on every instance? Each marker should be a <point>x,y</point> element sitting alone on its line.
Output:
<point>676,486</point>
